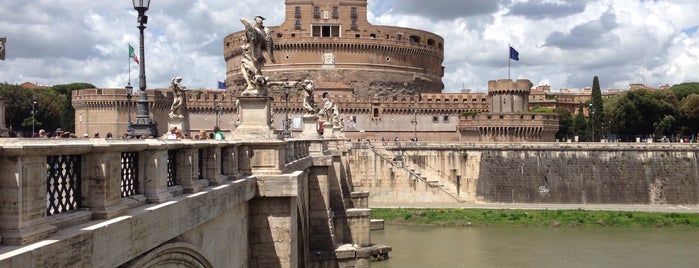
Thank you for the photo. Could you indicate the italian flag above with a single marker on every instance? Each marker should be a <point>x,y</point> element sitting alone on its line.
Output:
<point>132,54</point>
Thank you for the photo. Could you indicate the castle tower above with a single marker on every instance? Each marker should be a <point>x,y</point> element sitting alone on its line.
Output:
<point>331,41</point>
<point>509,96</point>
<point>509,119</point>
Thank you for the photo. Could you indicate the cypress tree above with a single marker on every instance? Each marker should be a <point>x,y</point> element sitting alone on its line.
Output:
<point>597,119</point>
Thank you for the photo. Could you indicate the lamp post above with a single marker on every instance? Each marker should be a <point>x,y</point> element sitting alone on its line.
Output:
<point>34,103</point>
<point>415,124</point>
<point>144,125</point>
<point>592,121</point>
<point>129,95</point>
<point>286,133</point>
<point>217,108</point>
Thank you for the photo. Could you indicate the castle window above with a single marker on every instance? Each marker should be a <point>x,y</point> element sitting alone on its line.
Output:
<point>279,35</point>
<point>354,25</point>
<point>440,46</point>
<point>430,42</point>
<point>326,30</point>
<point>373,36</point>
<point>502,117</point>
<point>414,39</point>
<point>435,119</point>
<point>297,25</point>
<point>376,112</point>
<point>316,12</point>
<point>336,14</point>
<point>399,37</point>
<point>357,35</point>
<point>446,119</point>
<point>354,13</point>
<point>297,12</point>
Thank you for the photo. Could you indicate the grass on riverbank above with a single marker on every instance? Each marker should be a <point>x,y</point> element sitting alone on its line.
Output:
<point>555,218</point>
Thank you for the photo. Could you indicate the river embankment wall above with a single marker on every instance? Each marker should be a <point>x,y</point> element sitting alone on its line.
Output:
<point>565,173</point>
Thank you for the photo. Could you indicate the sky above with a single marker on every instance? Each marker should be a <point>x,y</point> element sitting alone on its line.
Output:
<point>561,43</point>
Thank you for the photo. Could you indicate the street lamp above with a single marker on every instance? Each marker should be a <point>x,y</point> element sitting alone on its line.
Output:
<point>592,121</point>
<point>415,124</point>
<point>34,103</point>
<point>286,133</point>
<point>144,125</point>
<point>217,108</point>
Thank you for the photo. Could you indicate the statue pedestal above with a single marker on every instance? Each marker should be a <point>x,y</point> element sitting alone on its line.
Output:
<point>328,130</point>
<point>254,116</point>
<point>180,123</point>
<point>310,126</point>
<point>337,132</point>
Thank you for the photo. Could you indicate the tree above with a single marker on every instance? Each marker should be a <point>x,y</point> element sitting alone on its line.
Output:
<point>579,125</point>
<point>67,121</point>
<point>565,123</point>
<point>597,108</point>
<point>662,126</point>
<point>54,108</point>
<point>634,112</point>
<point>685,89</point>
<point>689,110</point>
<point>542,110</point>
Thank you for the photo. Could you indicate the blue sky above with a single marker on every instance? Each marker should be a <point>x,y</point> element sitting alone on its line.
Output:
<point>563,43</point>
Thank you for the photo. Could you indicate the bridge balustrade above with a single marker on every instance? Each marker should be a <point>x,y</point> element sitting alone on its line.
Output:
<point>49,184</point>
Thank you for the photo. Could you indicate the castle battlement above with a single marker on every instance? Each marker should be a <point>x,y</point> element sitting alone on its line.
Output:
<point>507,85</point>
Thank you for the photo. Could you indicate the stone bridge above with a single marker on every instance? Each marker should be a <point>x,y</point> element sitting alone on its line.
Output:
<point>180,203</point>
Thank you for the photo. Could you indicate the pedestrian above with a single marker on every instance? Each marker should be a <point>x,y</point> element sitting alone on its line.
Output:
<point>202,135</point>
<point>218,134</point>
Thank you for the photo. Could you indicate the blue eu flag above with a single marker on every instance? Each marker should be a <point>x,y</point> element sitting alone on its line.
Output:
<point>514,54</point>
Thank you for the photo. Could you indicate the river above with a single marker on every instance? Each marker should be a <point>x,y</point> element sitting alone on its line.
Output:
<point>443,247</point>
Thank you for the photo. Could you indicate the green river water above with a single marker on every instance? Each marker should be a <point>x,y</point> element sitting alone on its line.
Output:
<point>426,246</point>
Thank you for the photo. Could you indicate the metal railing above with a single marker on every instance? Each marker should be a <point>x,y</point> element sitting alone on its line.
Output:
<point>63,183</point>
<point>129,174</point>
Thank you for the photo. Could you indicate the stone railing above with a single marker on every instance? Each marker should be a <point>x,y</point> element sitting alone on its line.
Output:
<point>51,184</point>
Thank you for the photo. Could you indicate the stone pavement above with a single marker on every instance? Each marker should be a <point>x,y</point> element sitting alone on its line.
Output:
<point>602,207</point>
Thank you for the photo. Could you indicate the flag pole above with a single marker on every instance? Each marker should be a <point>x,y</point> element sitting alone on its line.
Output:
<point>128,60</point>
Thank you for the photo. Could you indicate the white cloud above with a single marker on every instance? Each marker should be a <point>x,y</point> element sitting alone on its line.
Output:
<point>622,41</point>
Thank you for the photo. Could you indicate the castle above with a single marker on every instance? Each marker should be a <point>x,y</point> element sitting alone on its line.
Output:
<point>385,80</point>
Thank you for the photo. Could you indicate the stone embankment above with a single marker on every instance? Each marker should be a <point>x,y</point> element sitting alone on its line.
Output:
<point>528,173</point>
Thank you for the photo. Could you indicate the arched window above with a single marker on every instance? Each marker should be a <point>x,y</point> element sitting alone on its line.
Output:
<point>414,39</point>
